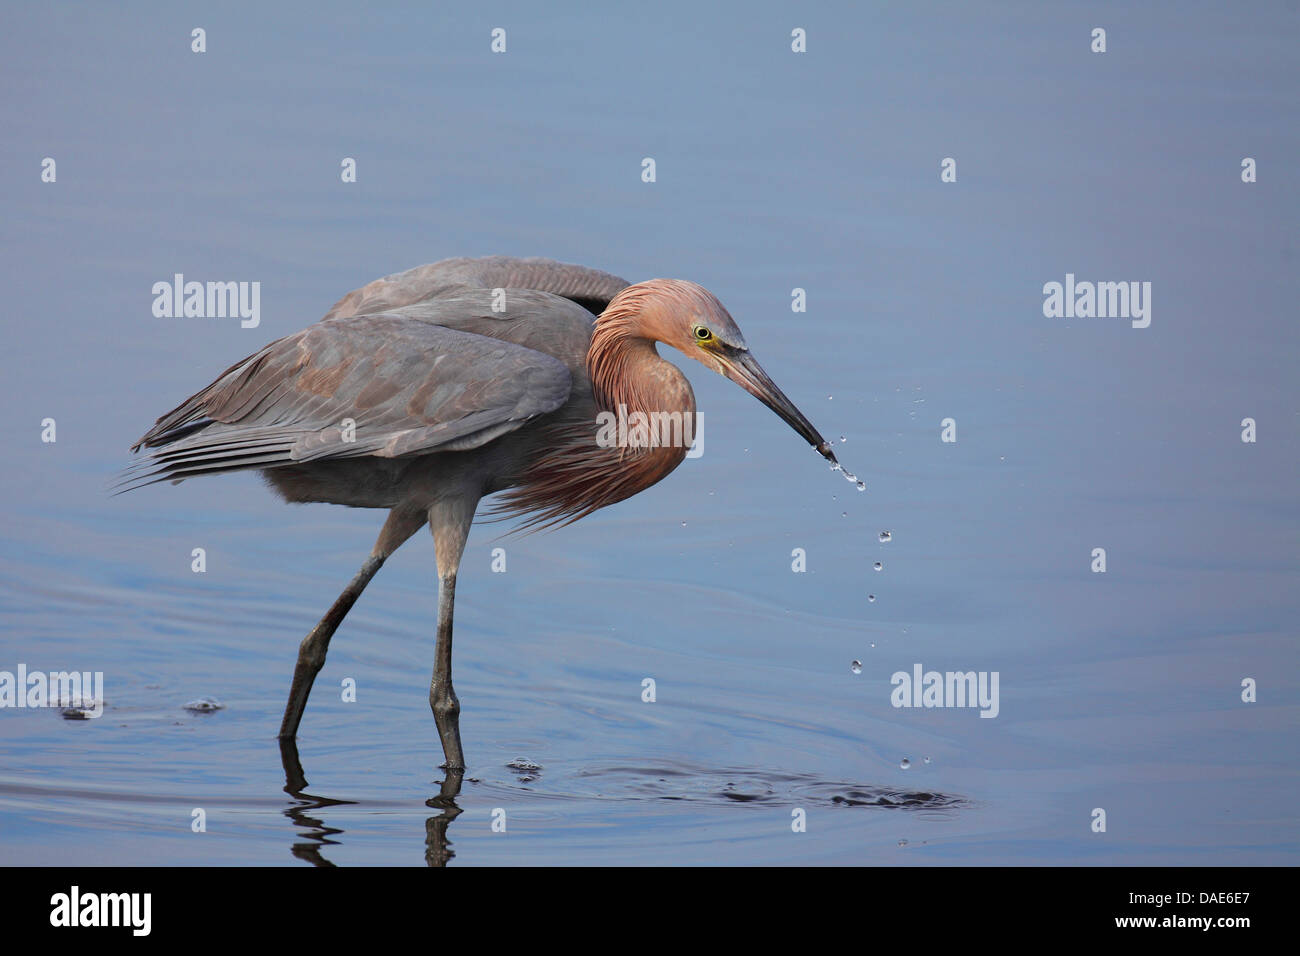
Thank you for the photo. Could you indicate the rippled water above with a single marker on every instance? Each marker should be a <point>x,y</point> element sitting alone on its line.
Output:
<point>1119,691</point>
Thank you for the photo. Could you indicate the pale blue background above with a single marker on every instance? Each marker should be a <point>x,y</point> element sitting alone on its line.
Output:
<point>775,170</point>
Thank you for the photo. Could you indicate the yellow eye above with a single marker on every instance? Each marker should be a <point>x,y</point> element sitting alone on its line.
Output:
<point>702,334</point>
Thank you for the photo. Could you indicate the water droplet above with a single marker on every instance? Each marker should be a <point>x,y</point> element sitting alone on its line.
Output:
<point>886,537</point>
<point>905,764</point>
<point>927,759</point>
<point>877,566</point>
<point>873,643</point>
<point>830,398</point>
<point>843,439</point>
<point>844,514</point>
<point>871,597</point>
<point>856,667</point>
<point>836,466</point>
<point>683,524</point>
<point>862,486</point>
<point>902,843</point>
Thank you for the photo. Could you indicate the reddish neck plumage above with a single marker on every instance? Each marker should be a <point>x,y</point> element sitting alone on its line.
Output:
<point>623,364</point>
<point>579,475</point>
<point>617,353</point>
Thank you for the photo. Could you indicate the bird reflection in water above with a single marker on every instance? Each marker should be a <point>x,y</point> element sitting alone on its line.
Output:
<point>437,847</point>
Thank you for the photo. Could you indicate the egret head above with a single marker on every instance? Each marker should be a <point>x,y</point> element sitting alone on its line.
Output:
<point>692,320</point>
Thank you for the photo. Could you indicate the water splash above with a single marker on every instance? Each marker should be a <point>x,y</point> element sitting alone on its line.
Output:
<point>849,476</point>
<point>735,784</point>
<point>886,537</point>
<point>204,705</point>
<point>527,770</point>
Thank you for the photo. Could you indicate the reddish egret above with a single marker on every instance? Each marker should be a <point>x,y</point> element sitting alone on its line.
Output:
<point>425,391</point>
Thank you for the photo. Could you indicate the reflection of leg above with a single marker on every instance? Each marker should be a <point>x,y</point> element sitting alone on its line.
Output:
<point>311,653</point>
<point>450,521</point>
<point>437,847</point>
<point>295,783</point>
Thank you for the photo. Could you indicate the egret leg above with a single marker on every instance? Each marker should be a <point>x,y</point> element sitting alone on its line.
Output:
<point>449,521</point>
<point>401,524</point>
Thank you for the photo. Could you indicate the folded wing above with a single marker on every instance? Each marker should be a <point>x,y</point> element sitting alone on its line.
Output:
<point>590,288</point>
<point>382,385</point>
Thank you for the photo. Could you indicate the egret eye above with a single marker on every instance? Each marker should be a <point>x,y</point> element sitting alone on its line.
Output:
<point>702,333</point>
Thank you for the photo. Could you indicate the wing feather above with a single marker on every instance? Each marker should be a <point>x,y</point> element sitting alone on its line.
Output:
<point>383,385</point>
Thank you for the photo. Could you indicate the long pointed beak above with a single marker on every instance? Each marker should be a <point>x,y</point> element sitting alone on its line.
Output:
<point>743,369</point>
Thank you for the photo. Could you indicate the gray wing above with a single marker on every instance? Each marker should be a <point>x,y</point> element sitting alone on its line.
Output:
<point>410,386</point>
<point>589,288</point>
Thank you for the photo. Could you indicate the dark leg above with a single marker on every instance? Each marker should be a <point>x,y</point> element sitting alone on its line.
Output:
<point>311,653</point>
<point>442,698</point>
<point>450,521</point>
